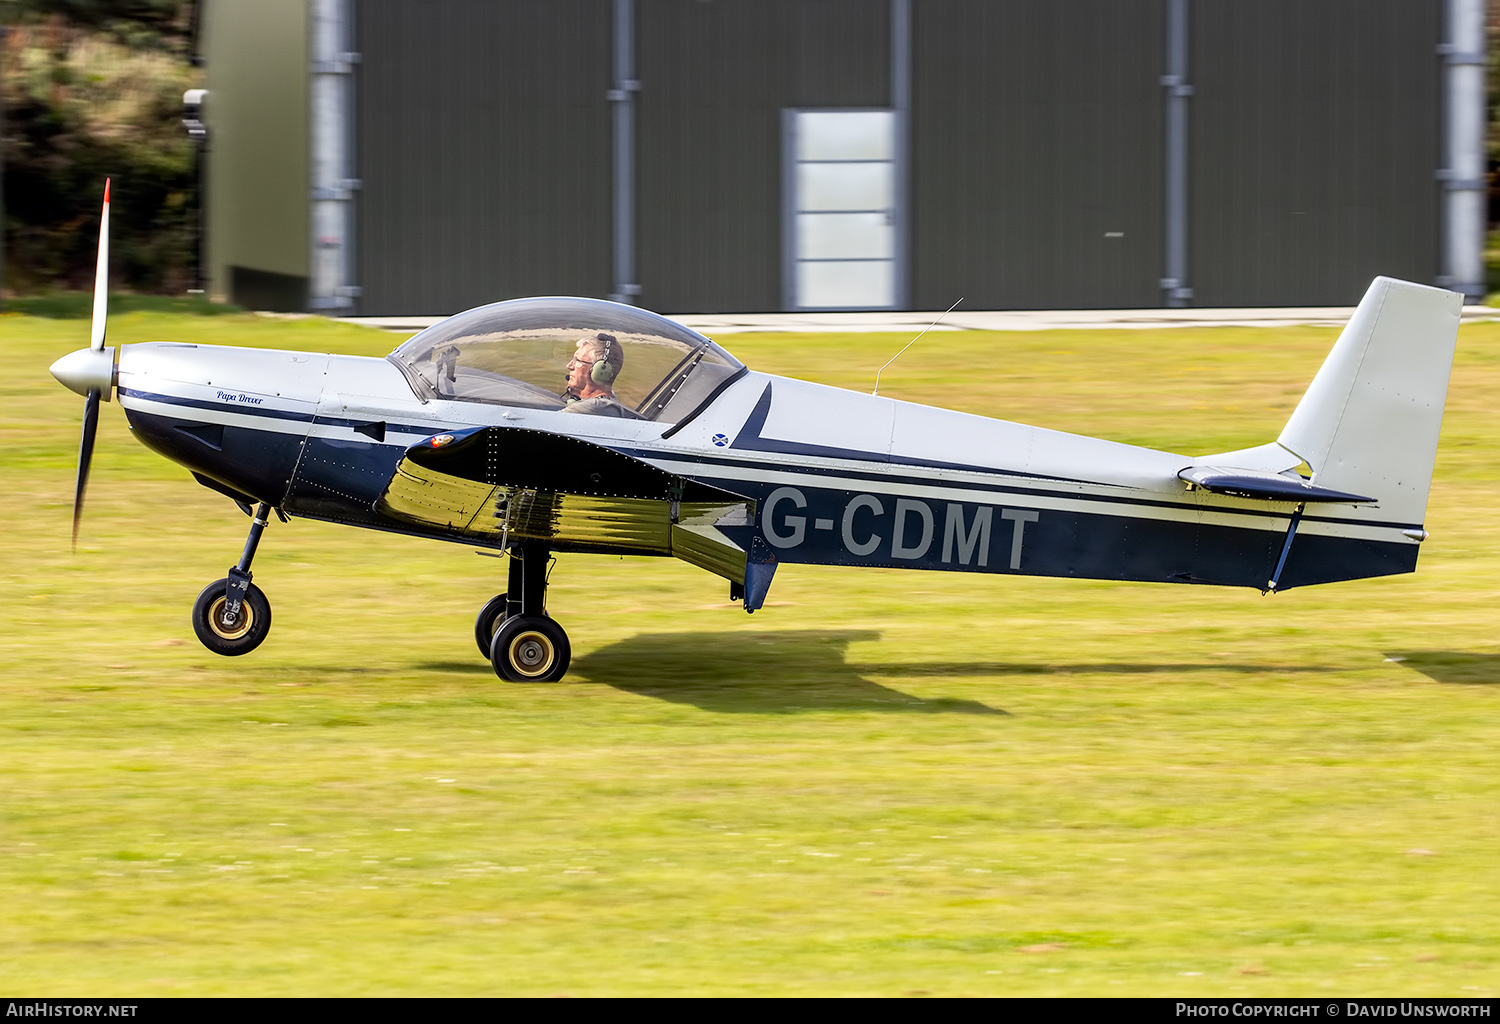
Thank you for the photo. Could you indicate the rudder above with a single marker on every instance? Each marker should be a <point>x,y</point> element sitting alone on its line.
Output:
<point>1370,420</point>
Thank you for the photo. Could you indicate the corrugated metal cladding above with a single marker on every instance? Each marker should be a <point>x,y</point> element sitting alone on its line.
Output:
<point>1314,145</point>
<point>1037,153</point>
<point>483,139</point>
<point>715,76</point>
<point>1037,148</point>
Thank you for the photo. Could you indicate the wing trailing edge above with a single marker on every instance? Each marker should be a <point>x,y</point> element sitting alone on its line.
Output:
<point>500,485</point>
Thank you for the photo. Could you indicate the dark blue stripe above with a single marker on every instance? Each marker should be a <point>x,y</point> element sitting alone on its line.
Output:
<point>284,414</point>
<point>711,461</point>
<point>198,403</point>
<point>750,433</point>
<point>750,439</point>
<point>1056,542</point>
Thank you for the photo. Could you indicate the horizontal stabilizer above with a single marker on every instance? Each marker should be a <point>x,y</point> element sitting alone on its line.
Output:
<point>1265,486</point>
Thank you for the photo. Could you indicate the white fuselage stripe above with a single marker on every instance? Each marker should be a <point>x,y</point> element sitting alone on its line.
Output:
<point>778,471</point>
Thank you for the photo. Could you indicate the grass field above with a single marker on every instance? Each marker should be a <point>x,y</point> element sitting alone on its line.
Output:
<point>885,783</point>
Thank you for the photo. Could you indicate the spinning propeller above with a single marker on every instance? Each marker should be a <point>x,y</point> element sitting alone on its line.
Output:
<point>91,371</point>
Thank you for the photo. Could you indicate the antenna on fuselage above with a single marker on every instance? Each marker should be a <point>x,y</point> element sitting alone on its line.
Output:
<point>909,344</point>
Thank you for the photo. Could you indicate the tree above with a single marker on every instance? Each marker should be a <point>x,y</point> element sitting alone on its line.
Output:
<point>93,89</point>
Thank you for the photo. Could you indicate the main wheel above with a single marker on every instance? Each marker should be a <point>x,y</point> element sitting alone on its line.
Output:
<point>530,649</point>
<point>229,639</point>
<point>490,617</point>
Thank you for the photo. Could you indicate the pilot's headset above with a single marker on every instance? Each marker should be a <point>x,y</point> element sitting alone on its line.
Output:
<point>605,369</point>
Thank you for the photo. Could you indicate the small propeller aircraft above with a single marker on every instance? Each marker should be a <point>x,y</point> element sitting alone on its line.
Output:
<point>545,425</point>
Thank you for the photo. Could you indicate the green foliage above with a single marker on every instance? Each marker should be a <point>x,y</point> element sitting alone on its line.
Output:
<point>138,23</point>
<point>93,90</point>
<point>80,305</point>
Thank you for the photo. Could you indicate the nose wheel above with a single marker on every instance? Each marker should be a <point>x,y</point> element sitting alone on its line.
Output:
<point>232,616</point>
<point>523,643</point>
<point>231,635</point>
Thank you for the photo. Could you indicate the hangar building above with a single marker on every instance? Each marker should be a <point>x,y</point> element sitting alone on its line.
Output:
<point>379,157</point>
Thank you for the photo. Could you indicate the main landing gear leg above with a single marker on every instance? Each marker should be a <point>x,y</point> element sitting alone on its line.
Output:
<point>232,615</point>
<point>528,646</point>
<point>502,606</point>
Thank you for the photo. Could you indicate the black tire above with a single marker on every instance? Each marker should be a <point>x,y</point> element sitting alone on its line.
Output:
<point>245,635</point>
<point>490,617</point>
<point>530,649</point>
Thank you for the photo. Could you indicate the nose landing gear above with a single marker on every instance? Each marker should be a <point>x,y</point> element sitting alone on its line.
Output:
<point>525,644</point>
<point>232,616</point>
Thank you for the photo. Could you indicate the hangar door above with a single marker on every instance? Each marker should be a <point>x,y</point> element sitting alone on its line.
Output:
<point>840,191</point>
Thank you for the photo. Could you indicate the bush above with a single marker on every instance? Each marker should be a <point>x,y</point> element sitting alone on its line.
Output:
<point>91,93</point>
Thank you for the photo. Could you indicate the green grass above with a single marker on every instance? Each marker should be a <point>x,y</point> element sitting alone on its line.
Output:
<point>80,305</point>
<point>884,783</point>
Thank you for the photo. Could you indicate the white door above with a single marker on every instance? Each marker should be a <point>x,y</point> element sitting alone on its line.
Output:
<point>841,218</point>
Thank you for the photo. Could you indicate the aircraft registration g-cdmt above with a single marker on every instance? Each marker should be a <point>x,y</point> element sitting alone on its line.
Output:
<point>546,425</point>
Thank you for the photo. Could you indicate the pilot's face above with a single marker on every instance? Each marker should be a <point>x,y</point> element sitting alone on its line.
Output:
<point>579,368</point>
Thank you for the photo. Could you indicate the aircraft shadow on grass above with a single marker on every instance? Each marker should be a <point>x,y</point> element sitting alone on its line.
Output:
<point>808,670</point>
<point>786,671</point>
<point>1457,667</point>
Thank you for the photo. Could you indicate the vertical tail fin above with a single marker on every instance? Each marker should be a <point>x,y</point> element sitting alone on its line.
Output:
<point>1369,422</point>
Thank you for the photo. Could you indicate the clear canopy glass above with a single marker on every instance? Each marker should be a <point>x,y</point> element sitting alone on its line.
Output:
<point>519,353</point>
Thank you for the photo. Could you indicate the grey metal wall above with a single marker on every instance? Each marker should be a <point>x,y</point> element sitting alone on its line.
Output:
<point>1314,145</point>
<point>1037,153</point>
<point>1037,147</point>
<point>484,152</point>
<point>715,77</point>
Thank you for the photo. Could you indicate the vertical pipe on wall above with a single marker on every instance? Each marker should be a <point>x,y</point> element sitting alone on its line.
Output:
<point>1174,287</point>
<point>622,96</point>
<point>788,209</point>
<point>331,95</point>
<point>1464,213</point>
<point>2,176</point>
<point>901,103</point>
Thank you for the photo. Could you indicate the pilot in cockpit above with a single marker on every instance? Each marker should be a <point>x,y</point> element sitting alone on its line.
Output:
<point>592,371</point>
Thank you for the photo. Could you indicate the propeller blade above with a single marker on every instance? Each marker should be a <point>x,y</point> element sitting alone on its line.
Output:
<point>96,344</point>
<point>85,456</point>
<point>101,276</point>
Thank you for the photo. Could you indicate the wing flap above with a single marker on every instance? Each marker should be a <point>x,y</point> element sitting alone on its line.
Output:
<point>499,485</point>
<point>421,495</point>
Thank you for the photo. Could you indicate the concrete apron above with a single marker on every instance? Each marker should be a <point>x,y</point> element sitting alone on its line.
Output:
<point>715,324</point>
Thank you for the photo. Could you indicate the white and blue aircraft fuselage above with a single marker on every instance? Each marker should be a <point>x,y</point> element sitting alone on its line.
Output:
<point>478,431</point>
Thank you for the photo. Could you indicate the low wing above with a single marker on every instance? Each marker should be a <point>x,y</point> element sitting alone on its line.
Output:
<point>500,485</point>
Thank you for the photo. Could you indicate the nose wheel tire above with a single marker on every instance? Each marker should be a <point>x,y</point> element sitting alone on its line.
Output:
<point>241,636</point>
<point>530,649</point>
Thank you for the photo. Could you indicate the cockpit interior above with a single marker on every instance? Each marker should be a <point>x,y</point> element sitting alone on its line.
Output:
<point>517,353</point>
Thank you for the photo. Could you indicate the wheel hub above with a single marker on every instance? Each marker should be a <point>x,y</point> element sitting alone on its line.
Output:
<point>225,628</point>
<point>532,654</point>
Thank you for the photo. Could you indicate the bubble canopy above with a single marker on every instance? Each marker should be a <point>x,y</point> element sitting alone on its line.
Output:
<point>517,353</point>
